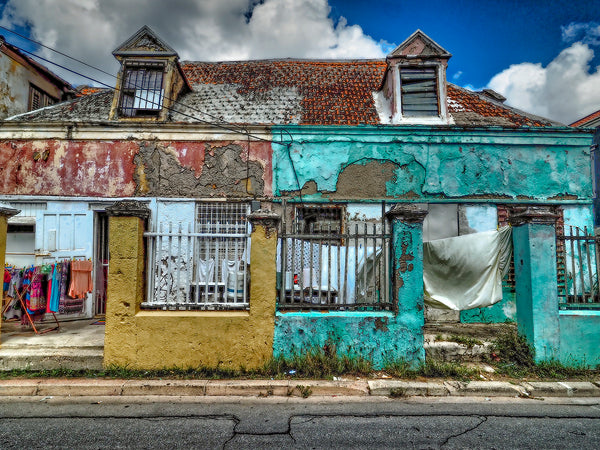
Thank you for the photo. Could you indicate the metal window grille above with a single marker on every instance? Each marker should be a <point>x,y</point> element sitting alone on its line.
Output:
<point>343,266</point>
<point>578,261</point>
<point>419,92</point>
<point>142,90</point>
<point>201,268</point>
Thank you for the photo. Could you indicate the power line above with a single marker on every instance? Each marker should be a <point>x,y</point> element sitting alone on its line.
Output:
<point>229,126</point>
<point>56,51</point>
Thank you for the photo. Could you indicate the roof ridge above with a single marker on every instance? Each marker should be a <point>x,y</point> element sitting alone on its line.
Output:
<point>307,60</point>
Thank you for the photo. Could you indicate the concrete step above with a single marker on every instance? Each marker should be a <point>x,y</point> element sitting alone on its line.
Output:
<point>454,352</point>
<point>51,358</point>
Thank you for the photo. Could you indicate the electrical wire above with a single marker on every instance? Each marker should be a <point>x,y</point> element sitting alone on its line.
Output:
<point>229,126</point>
<point>221,124</point>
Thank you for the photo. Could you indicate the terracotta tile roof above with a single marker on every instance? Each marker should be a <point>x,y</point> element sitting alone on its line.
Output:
<point>88,90</point>
<point>270,92</point>
<point>464,104</point>
<point>330,92</point>
<point>584,121</point>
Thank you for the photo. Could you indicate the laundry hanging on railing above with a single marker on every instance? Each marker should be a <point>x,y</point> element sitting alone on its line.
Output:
<point>466,272</point>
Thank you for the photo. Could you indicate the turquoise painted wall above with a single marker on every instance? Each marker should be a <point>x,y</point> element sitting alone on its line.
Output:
<point>579,338</point>
<point>379,336</point>
<point>437,162</point>
<point>503,311</point>
<point>536,287</point>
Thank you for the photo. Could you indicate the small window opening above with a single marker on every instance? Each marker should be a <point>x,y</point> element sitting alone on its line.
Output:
<point>142,90</point>
<point>319,220</point>
<point>419,92</point>
<point>39,99</point>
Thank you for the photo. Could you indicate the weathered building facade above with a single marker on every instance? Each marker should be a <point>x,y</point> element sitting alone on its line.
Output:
<point>25,84</point>
<point>350,156</point>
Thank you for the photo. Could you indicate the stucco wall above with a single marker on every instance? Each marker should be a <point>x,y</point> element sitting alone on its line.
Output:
<point>127,168</point>
<point>159,339</point>
<point>579,337</point>
<point>427,163</point>
<point>379,336</point>
<point>14,85</point>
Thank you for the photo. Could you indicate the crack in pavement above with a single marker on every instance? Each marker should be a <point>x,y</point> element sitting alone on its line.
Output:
<point>237,421</point>
<point>482,419</point>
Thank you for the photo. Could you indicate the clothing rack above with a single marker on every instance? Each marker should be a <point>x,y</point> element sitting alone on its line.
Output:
<point>20,296</point>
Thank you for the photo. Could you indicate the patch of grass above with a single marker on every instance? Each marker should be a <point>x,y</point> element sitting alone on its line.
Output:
<point>515,358</point>
<point>317,362</point>
<point>511,348</point>
<point>469,341</point>
<point>399,368</point>
<point>441,369</point>
<point>305,391</point>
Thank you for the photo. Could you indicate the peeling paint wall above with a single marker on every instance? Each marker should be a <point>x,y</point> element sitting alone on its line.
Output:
<point>426,163</point>
<point>378,336</point>
<point>15,77</point>
<point>135,168</point>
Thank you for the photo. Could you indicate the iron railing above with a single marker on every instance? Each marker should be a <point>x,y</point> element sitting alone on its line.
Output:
<point>205,269</point>
<point>337,266</point>
<point>578,269</point>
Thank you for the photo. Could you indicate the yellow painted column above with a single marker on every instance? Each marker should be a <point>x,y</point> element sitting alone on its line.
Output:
<point>5,213</point>
<point>263,277</point>
<point>125,287</point>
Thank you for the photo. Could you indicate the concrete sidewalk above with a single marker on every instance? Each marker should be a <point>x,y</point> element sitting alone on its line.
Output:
<point>80,387</point>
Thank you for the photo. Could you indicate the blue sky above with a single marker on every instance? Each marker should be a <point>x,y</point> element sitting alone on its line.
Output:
<point>542,55</point>
<point>484,37</point>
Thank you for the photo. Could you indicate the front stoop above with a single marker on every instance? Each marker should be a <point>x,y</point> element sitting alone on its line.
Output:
<point>89,358</point>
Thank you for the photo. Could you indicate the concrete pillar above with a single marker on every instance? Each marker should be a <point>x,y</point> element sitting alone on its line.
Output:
<point>5,213</point>
<point>407,278</point>
<point>263,264</point>
<point>125,287</point>
<point>534,241</point>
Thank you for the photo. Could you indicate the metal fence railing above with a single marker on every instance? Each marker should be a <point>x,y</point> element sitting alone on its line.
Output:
<point>338,266</point>
<point>199,270</point>
<point>578,269</point>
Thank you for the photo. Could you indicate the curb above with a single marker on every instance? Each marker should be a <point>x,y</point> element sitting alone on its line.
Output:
<point>80,387</point>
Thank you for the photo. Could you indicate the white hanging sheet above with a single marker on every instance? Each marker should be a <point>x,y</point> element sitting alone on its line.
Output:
<point>466,272</point>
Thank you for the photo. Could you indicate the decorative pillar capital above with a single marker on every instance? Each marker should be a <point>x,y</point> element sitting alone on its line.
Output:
<point>521,215</point>
<point>129,208</point>
<point>8,212</point>
<point>267,219</point>
<point>407,213</point>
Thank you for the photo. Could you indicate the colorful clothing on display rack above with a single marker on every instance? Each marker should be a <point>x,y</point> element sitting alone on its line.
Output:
<point>60,287</point>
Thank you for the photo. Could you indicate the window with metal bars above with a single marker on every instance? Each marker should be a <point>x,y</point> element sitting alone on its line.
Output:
<point>39,99</point>
<point>142,90</point>
<point>319,219</point>
<point>419,92</point>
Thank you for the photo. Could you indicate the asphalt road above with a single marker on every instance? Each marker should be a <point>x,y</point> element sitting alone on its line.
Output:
<point>99,423</point>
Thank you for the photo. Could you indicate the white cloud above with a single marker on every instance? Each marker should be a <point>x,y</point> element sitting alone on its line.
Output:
<point>197,29</point>
<point>457,75</point>
<point>586,32</point>
<point>565,90</point>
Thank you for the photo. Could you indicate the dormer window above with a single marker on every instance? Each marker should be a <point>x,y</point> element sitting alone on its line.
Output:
<point>142,90</point>
<point>419,92</point>
<point>413,90</point>
<point>150,79</point>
